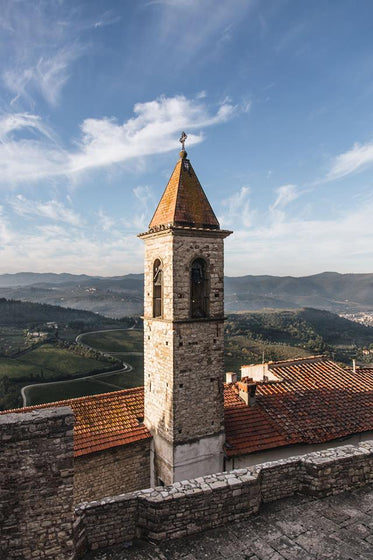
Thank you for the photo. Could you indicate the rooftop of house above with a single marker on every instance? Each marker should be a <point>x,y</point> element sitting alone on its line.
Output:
<point>314,400</point>
<point>104,421</point>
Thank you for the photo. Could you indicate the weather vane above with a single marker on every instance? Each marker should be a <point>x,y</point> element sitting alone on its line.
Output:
<point>182,139</point>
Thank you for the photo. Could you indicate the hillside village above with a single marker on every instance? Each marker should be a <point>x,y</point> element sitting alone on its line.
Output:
<point>190,421</point>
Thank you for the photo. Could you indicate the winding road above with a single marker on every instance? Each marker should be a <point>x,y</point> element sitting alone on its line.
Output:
<point>126,367</point>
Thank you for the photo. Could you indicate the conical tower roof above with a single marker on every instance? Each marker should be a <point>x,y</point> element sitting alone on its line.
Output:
<point>184,202</point>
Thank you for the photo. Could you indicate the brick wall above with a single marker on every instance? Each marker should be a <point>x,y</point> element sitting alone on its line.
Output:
<point>36,485</point>
<point>110,472</point>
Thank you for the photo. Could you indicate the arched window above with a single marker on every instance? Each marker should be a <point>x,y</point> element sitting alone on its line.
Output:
<point>199,298</point>
<point>157,289</point>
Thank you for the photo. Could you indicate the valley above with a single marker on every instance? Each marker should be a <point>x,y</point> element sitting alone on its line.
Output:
<point>57,353</point>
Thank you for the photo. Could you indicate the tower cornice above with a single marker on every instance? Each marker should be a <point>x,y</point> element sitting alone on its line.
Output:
<point>184,231</point>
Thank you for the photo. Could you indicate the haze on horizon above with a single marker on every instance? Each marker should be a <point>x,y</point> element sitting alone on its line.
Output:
<point>276,99</point>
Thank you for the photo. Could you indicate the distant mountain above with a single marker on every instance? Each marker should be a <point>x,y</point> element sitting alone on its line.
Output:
<point>300,326</point>
<point>118,296</point>
<point>30,278</point>
<point>328,290</point>
<point>22,314</point>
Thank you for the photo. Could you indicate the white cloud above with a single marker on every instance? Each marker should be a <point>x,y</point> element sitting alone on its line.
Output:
<point>285,195</point>
<point>18,121</point>
<point>237,211</point>
<point>144,208</point>
<point>105,221</point>
<point>300,247</point>
<point>204,23</point>
<point>47,76</point>
<point>356,159</point>
<point>39,47</point>
<point>104,142</point>
<point>57,248</point>
<point>52,210</point>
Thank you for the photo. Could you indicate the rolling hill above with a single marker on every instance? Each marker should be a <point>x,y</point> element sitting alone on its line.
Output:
<point>123,295</point>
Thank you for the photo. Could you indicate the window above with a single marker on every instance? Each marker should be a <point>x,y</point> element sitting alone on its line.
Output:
<point>157,289</point>
<point>199,289</point>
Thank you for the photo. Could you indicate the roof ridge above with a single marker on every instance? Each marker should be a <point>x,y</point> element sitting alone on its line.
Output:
<point>75,399</point>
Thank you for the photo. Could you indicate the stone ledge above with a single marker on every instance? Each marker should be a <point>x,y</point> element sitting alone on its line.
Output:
<point>191,506</point>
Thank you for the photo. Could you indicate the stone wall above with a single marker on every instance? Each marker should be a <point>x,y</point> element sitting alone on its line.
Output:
<point>192,506</point>
<point>36,485</point>
<point>36,492</point>
<point>110,472</point>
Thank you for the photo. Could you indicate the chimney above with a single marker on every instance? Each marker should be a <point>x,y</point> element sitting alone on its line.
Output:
<point>353,366</point>
<point>230,377</point>
<point>247,391</point>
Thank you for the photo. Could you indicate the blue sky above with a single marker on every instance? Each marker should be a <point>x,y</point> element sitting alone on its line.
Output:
<point>276,97</point>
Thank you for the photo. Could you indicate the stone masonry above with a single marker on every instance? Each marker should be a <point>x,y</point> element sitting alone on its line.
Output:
<point>36,493</point>
<point>106,473</point>
<point>191,506</point>
<point>36,485</point>
<point>297,528</point>
<point>183,357</point>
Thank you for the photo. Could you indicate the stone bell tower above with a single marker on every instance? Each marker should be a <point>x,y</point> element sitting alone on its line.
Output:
<point>184,331</point>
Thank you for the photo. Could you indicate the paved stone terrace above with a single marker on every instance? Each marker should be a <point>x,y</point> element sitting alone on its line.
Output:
<point>298,528</point>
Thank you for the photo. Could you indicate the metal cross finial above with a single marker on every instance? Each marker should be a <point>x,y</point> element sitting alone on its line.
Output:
<point>182,139</point>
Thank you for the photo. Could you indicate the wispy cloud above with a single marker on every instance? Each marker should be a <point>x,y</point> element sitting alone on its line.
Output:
<point>12,122</point>
<point>145,205</point>
<point>51,209</point>
<point>103,141</point>
<point>57,248</point>
<point>47,76</point>
<point>285,195</point>
<point>105,221</point>
<point>237,210</point>
<point>300,246</point>
<point>352,161</point>
<point>41,40</point>
<point>40,44</point>
<point>204,23</point>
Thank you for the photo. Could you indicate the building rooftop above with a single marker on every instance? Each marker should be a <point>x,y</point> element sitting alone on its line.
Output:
<point>104,421</point>
<point>314,401</point>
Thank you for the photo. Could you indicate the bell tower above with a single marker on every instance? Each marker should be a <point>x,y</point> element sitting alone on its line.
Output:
<point>184,330</point>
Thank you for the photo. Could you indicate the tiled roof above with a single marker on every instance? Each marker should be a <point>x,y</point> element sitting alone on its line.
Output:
<point>184,202</point>
<point>104,421</point>
<point>316,401</point>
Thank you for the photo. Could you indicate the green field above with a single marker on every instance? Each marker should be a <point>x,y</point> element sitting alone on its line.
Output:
<point>115,341</point>
<point>242,350</point>
<point>12,340</point>
<point>101,383</point>
<point>15,369</point>
<point>131,341</point>
<point>48,362</point>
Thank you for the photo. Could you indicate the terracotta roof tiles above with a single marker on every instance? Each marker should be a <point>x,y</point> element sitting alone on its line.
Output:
<point>104,421</point>
<point>316,401</point>
<point>184,202</point>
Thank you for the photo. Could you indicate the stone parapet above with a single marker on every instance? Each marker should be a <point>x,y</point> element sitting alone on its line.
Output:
<point>36,485</point>
<point>192,506</point>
